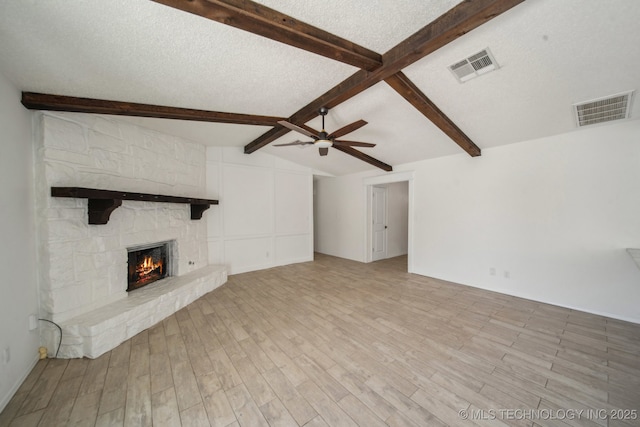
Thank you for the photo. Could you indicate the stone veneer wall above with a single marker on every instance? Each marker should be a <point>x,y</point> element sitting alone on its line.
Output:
<point>82,267</point>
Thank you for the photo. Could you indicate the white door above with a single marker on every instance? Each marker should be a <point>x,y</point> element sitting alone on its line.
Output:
<point>379,230</point>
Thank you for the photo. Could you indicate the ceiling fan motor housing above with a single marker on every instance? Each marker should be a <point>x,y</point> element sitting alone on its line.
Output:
<point>323,140</point>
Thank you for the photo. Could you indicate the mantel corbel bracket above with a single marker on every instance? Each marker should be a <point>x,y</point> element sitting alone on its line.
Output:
<point>102,202</point>
<point>100,209</point>
<point>198,209</point>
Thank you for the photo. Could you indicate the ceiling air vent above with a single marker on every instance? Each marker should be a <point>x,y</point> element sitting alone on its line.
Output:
<point>601,110</point>
<point>474,66</point>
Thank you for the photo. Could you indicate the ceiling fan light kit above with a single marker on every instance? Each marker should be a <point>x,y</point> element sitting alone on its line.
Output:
<point>322,140</point>
<point>323,143</point>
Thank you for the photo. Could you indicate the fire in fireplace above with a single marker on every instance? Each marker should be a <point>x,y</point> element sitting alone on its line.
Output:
<point>147,264</point>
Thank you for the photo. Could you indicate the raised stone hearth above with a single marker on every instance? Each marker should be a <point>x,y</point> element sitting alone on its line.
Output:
<point>93,334</point>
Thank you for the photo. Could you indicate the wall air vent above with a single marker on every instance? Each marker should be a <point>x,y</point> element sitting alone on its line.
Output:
<point>474,66</point>
<point>601,110</point>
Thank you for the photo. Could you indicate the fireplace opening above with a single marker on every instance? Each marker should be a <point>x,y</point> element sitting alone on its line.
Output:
<point>148,264</point>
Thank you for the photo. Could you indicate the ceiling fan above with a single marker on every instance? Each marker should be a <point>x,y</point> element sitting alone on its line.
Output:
<point>322,139</point>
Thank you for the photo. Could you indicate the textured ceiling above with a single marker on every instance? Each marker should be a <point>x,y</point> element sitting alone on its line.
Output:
<point>551,54</point>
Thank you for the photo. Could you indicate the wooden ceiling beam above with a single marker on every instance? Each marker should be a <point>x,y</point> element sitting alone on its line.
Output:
<point>448,27</point>
<point>40,101</point>
<point>258,19</point>
<point>409,91</point>
<point>364,157</point>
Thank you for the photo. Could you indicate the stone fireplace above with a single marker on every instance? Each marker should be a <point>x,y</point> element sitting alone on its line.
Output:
<point>83,269</point>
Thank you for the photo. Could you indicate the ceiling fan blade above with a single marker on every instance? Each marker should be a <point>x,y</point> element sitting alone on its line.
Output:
<point>353,143</point>
<point>294,143</point>
<point>323,151</point>
<point>297,129</point>
<point>364,157</point>
<point>347,129</point>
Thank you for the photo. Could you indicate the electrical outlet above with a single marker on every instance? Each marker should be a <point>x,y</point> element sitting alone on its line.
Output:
<point>6,355</point>
<point>506,274</point>
<point>492,271</point>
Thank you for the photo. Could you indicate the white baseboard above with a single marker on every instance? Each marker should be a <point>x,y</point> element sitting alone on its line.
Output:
<point>7,398</point>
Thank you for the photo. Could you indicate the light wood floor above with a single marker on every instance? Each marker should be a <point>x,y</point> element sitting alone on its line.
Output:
<point>339,343</point>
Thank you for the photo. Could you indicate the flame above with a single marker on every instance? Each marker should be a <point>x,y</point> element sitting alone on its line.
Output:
<point>147,266</point>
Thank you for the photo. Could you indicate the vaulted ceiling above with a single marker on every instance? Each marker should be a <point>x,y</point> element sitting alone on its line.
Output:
<point>248,65</point>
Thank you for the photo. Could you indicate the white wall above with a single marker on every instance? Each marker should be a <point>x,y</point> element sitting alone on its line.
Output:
<point>18,289</point>
<point>340,216</point>
<point>397,218</point>
<point>265,216</point>
<point>555,215</point>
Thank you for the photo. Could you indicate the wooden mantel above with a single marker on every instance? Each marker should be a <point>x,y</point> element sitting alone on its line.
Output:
<point>103,202</point>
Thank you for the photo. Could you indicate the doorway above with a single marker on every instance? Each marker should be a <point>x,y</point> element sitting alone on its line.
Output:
<point>389,218</point>
<point>379,223</point>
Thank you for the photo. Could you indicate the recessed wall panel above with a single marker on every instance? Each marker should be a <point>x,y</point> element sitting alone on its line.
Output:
<point>248,254</point>
<point>293,208</point>
<point>247,200</point>
<point>291,249</point>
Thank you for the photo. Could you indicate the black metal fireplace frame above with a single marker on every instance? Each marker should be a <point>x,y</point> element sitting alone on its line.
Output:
<point>159,251</point>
